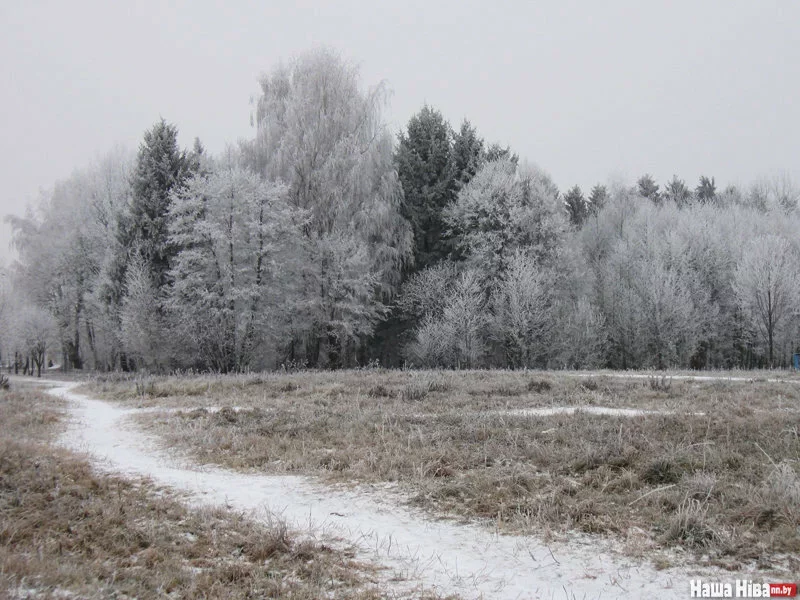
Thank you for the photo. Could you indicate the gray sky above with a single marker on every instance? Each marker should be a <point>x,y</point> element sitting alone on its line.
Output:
<point>587,90</point>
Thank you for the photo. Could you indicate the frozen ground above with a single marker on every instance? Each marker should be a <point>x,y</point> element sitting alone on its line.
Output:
<point>549,411</point>
<point>437,555</point>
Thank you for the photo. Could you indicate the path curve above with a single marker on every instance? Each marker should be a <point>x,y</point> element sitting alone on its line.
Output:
<point>438,555</point>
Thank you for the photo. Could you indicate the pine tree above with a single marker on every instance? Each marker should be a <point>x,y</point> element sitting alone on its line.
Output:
<point>576,206</point>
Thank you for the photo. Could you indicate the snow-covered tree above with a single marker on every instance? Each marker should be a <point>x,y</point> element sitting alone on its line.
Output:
<point>453,335</point>
<point>766,287</point>
<point>161,167</point>
<point>648,188</point>
<point>597,199</point>
<point>676,191</point>
<point>321,135</point>
<point>234,270</point>
<point>505,208</point>
<point>33,328</point>
<point>522,315</point>
<point>143,326</point>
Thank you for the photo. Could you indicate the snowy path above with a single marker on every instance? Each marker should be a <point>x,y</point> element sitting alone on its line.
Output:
<point>439,555</point>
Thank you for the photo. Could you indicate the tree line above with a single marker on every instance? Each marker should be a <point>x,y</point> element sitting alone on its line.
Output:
<point>325,241</point>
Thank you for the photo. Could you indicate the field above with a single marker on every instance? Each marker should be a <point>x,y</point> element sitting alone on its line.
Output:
<point>67,530</point>
<point>697,472</point>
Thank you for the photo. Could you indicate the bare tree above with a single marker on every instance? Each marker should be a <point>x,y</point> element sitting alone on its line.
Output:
<point>766,286</point>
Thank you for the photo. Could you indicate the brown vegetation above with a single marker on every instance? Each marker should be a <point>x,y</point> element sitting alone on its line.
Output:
<point>65,529</point>
<point>717,475</point>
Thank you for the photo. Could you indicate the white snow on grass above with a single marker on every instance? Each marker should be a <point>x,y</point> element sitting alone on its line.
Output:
<point>549,411</point>
<point>439,555</point>
<point>667,376</point>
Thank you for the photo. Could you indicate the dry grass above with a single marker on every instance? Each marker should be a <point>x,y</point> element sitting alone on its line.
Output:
<point>724,485</point>
<point>67,531</point>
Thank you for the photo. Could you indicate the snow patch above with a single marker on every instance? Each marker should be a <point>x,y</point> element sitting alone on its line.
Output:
<point>549,411</point>
<point>440,555</point>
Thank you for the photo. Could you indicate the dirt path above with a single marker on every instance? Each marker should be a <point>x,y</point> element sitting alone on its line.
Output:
<point>439,555</point>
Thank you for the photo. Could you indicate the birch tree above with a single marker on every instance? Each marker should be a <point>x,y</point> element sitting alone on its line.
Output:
<point>318,132</point>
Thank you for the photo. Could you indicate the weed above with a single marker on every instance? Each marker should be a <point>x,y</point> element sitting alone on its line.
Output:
<point>452,443</point>
<point>539,386</point>
<point>660,384</point>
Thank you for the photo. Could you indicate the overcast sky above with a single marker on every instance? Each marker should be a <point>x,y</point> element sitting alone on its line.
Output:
<point>587,90</point>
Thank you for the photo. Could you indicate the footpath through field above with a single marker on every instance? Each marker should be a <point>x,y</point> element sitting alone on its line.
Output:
<point>435,555</point>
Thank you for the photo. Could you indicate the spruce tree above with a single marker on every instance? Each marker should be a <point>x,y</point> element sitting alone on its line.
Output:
<point>425,169</point>
<point>467,154</point>
<point>161,167</point>
<point>576,206</point>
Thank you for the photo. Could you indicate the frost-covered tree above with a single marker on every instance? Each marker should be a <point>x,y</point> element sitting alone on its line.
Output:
<point>597,198</point>
<point>766,287</point>
<point>452,334</point>
<point>648,188</point>
<point>143,326</point>
<point>320,134</point>
<point>505,208</point>
<point>33,328</point>
<point>234,270</point>
<point>580,342</point>
<point>59,254</point>
<point>676,191</point>
<point>706,190</point>
<point>495,152</point>
<point>161,167</point>
<point>522,315</point>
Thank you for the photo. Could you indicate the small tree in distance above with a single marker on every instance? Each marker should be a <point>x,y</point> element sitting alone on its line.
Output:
<point>577,208</point>
<point>766,286</point>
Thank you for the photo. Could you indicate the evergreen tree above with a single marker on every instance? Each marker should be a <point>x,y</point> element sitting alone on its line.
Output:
<point>677,191</point>
<point>576,206</point>
<point>597,198</point>
<point>648,188</point>
<point>161,167</point>
<point>467,153</point>
<point>706,190</point>
<point>426,171</point>
<point>497,152</point>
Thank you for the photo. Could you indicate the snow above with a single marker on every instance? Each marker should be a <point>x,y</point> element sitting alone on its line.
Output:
<point>439,555</point>
<point>549,411</point>
<point>660,375</point>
